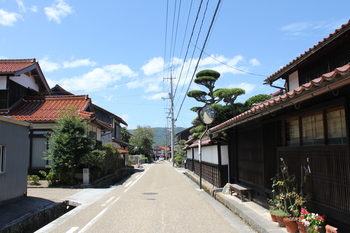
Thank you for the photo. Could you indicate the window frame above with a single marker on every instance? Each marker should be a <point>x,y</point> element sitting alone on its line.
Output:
<point>314,140</point>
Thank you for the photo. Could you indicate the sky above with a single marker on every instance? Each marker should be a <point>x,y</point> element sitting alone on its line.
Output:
<point>125,54</point>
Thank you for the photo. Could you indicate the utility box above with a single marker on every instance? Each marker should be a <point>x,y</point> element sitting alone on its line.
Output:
<point>86,176</point>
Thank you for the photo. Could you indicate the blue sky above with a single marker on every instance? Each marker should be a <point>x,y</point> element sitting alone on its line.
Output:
<point>123,53</point>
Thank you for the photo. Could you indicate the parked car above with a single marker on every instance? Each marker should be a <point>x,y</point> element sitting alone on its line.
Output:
<point>161,158</point>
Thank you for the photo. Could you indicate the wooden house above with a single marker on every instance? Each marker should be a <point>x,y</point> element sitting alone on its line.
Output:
<point>111,134</point>
<point>26,96</point>
<point>213,160</point>
<point>14,158</point>
<point>306,125</point>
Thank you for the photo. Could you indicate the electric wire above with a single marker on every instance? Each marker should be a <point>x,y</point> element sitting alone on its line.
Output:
<point>189,43</point>
<point>235,68</point>
<point>201,53</point>
<point>199,32</point>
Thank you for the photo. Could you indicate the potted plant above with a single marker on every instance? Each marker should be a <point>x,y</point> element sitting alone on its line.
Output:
<point>289,197</point>
<point>312,221</point>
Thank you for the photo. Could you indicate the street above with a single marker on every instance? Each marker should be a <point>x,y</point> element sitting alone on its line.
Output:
<point>157,199</point>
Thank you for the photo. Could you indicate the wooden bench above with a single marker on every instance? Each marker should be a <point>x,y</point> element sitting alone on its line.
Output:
<point>241,190</point>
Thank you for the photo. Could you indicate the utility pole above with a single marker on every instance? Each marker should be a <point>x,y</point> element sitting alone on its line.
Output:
<point>171,97</point>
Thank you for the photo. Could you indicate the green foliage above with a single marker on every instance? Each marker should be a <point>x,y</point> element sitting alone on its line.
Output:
<point>107,159</point>
<point>142,140</point>
<point>229,95</point>
<point>69,147</point>
<point>180,154</point>
<point>34,179</point>
<point>125,134</point>
<point>211,73</point>
<point>256,99</point>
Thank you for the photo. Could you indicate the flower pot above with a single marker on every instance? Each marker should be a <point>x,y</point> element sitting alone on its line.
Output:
<point>280,220</point>
<point>291,225</point>
<point>273,217</point>
<point>301,227</point>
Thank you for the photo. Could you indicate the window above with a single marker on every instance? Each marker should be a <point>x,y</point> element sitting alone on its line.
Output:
<point>2,158</point>
<point>292,126</point>
<point>336,126</point>
<point>313,133</point>
<point>329,124</point>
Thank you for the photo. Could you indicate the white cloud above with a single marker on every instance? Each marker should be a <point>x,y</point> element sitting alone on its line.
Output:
<point>77,63</point>
<point>305,28</point>
<point>34,9</point>
<point>8,18</point>
<point>254,62</point>
<point>153,66</point>
<point>157,96</point>
<point>48,66</point>
<point>21,6</point>
<point>248,87</point>
<point>58,11</point>
<point>134,84</point>
<point>98,78</point>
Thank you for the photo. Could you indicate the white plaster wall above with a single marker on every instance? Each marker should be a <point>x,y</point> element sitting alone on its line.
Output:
<point>224,155</point>
<point>293,80</point>
<point>195,155</point>
<point>3,82</point>
<point>25,81</point>
<point>210,154</point>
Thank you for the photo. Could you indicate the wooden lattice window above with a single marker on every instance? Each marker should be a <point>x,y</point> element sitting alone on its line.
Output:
<point>313,130</point>
<point>293,135</point>
<point>336,126</point>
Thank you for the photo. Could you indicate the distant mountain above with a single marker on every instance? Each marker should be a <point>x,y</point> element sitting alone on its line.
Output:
<point>162,135</point>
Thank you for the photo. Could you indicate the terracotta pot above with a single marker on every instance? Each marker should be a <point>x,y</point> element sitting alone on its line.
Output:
<point>291,225</point>
<point>280,220</point>
<point>273,217</point>
<point>301,227</point>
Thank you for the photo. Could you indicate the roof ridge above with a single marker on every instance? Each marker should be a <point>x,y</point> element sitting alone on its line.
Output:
<point>31,60</point>
<point>311,50</point>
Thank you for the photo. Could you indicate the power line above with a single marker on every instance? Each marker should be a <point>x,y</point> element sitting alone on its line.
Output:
<point>205,42</point>
<point>243,71</point>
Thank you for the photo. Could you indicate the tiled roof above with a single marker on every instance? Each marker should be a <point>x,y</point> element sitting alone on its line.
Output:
<point>345,27</point>
<point>46,108</point>
<point>119,119</point>
<point>14,65</point>
<point>326,83</point>
<point>206,140</point>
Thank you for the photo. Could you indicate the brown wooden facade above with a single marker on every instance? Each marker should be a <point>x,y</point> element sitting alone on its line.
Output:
<point>307,125</point>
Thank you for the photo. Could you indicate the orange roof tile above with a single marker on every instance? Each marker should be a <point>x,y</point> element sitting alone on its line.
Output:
<point>13,65</point>
<point>46,108</point>
<point>326,83</point>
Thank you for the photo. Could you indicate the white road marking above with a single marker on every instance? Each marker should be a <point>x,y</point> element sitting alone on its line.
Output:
<point>72,229</point>
<point>115,201</point>
<point>137,179</point>
<point>87,226</point>
<point>128,184</point>
<point>110,199</point>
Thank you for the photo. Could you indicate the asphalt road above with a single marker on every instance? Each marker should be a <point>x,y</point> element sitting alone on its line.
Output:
<point>157,199</point>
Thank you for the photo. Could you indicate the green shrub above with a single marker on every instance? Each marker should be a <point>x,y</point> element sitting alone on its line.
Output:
<point>34,179</point>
